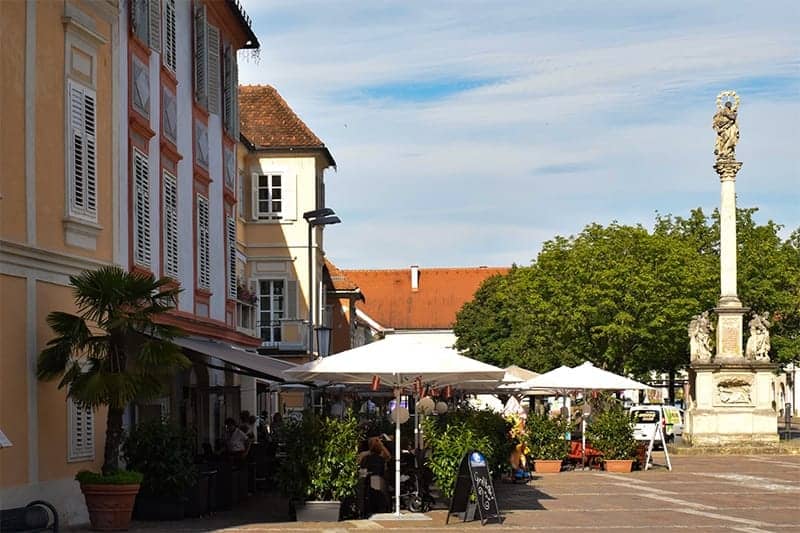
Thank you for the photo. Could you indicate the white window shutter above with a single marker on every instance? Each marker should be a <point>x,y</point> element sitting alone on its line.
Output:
<point>213,70</point>
<point>289,197</point>
<point>141,208</point>
<point>235,96</point>
<point>170,224</point>
<point>203,244</point>
<point>228,89</point>
<point>291,299</point>
<point>90,125</point>
<point>81,432</point>
<point>82,171</point>
<point>231,234</point>
<point>200,55</point>
<point>155,25</point>
<point>254,196</point>
<point>170,50</point>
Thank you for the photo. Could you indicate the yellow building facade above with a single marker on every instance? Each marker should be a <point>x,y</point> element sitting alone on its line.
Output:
<point>57,213</point>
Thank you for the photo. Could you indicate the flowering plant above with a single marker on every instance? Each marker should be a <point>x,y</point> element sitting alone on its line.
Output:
<point>246,295</point>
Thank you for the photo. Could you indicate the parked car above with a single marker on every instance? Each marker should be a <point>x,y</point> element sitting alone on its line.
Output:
<point>647,417</point>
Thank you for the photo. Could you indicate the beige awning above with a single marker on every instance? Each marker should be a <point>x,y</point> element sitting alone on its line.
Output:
<point>243,361</point>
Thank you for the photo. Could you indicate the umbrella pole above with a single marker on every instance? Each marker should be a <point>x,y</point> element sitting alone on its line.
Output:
<point>397,452</point>
<point>583,431</point>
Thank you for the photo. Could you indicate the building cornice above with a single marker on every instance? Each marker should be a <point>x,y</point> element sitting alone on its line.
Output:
<point>17,259</point>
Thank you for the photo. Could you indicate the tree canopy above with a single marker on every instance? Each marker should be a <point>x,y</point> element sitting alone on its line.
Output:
<point>621,296</point>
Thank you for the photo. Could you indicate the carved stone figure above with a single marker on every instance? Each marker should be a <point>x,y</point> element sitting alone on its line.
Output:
<point>725,125</point>
<point>758,345</point>
<point>734,391</point>
<point>700,337</point>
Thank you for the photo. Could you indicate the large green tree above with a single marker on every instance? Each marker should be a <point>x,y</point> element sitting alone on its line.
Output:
<point>113,351</point>
<point>622,296</point>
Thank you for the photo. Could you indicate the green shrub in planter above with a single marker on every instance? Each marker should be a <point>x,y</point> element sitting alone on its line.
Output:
<point>611,432</point>
<point>333,472</point>
<point>546,437</point>
<point>119,477</point>
<point>449,438</point>
<point>322,462</point>
<point>497,430</point>
<point>164,453</point>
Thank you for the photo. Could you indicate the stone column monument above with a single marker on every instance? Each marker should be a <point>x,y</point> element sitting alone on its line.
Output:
<point>731,393</point>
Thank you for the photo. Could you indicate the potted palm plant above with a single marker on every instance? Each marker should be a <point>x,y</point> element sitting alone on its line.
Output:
<point>111,353</point>
<point>611,431</point>
<point>546,440</point>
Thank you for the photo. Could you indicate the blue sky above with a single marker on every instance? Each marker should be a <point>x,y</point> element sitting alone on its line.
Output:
<point>467,133</point>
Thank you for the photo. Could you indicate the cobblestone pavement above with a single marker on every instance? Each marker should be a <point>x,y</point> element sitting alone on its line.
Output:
<point>709,493</point>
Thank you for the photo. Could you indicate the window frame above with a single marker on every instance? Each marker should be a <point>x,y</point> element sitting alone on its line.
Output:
<point>272,214</point>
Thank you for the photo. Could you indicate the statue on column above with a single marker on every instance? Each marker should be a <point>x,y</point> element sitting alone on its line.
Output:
<point>725,125</point>
<point>758,344</point>
<point>700,338</point>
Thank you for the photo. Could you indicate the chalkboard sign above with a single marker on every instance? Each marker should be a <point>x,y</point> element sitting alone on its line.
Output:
<point>474,478</point>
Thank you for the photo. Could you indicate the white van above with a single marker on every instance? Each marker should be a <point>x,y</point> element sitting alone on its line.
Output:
<point>646,417</point>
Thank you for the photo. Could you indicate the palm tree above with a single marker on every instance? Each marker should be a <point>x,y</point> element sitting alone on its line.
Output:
<point>113,352</point>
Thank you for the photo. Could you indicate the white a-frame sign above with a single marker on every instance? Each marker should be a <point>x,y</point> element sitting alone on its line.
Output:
<point>657,434</point>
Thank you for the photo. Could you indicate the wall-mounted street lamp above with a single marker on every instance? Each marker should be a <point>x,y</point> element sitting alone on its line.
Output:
<point>318,217</point>
<point>323,340</point>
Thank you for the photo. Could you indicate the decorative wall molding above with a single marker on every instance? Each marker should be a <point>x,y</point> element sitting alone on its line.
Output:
<point>19,259</point>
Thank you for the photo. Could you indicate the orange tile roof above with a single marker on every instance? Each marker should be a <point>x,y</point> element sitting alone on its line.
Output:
<point>267,121</point>
<point>338,278</point>
<point>441,293</point>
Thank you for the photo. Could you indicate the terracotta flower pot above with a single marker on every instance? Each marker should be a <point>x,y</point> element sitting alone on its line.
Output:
<point>618,465</point>
<point>110,506</point>
<point>547,466</point>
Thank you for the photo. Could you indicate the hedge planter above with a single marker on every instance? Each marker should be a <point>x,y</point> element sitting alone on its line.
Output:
<point>318,511</point>
<point>618,465</point>
<point>547,466</point>
<point>155,508</point>
<point>110,506</point>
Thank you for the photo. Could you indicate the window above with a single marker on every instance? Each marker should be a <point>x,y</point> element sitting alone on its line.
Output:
<point>170,224</point>
<point>230,92</point>
<point>82,151</point>
<point>230,226</point>
<point>170,51</point>
<point>271,307</point>
<point>268,198</point>
<point>273,196</point>
<point>203,244</point>
<point>200,55</point>
<point>146,22</point>
<point>169,118</point>
<point>213,70</point>
<point>141,209</point>
<point>229,168</point>
<point>81,432</point>
<point>140,87</point>
<point>201,144</point>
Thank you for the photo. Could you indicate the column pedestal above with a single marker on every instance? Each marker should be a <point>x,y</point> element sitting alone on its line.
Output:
<point>730,405</point>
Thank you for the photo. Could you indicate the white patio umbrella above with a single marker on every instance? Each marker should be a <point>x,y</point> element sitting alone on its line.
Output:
<point>580,378</point>
<point>398,360</point>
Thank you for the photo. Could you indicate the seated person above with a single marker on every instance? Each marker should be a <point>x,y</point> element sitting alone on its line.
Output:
<point>374,460</point>
<point>236,442</point>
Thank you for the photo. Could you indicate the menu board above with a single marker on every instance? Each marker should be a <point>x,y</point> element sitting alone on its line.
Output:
<point>474,478</point>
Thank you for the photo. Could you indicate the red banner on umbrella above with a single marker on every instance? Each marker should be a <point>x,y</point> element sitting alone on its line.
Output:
<point>376,383</point>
